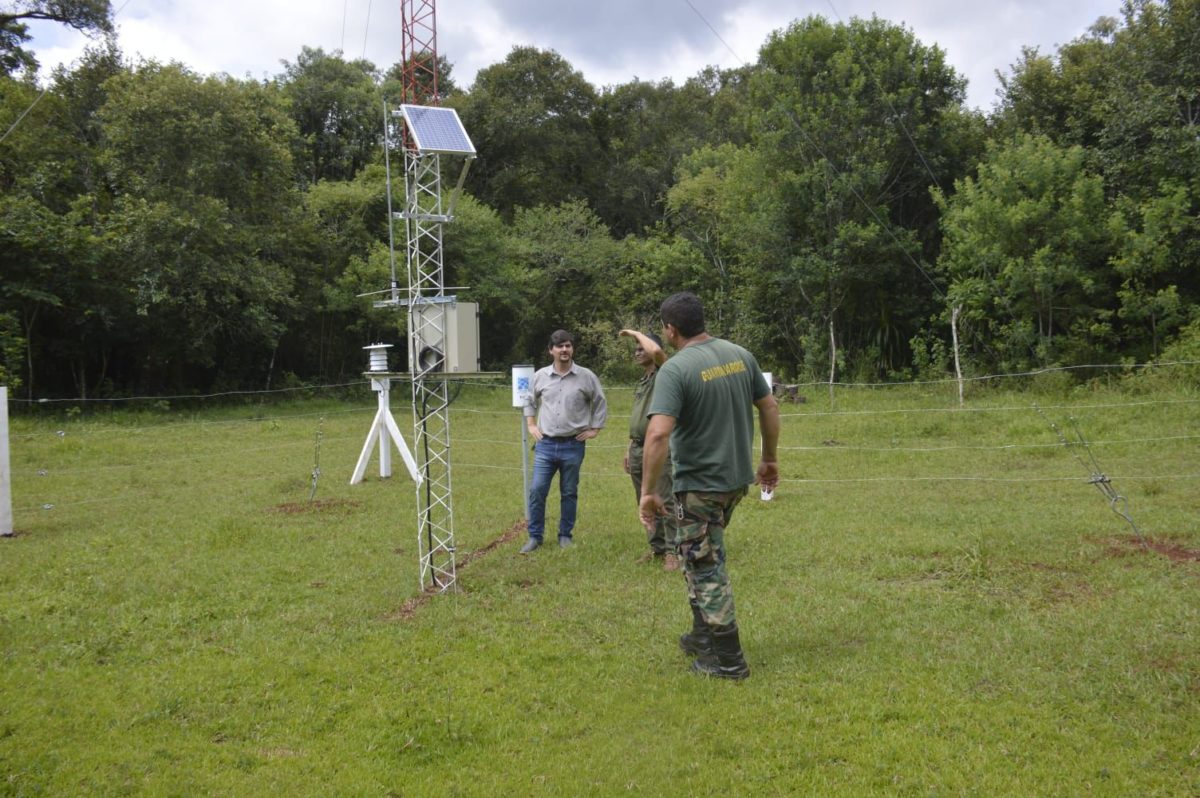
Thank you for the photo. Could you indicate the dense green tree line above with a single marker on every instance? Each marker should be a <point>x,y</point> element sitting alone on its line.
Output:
<point>834,203</point>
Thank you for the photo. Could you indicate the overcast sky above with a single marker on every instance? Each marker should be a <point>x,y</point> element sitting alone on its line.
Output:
<point>610,42</point>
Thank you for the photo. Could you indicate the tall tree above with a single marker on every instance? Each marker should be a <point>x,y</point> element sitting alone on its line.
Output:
<point>644,130</point>
<point>482,256</point>
<point>51,192</point>
<point>567,257</point>
<point>719,206</point>
<point>1158,251</point>
<point>1026,250</point>
<point>86,16</point>
<point>338,111</point>
<point>530,119</point>
<point>1151,105</point>
<point>346,258</point>
<point>202,220</point>
<point>1059,96</point>
<point>826,219</point>
<point>1129,93</point>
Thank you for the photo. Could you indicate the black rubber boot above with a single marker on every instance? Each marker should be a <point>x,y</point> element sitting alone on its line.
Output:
<point>729,663</point>
<point>697,642</point>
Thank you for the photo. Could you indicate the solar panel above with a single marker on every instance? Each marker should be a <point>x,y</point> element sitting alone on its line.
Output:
<point>437,130</point>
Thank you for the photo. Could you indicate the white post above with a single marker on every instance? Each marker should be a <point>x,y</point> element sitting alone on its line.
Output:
<point>522,386</point>
<point>832,360</point>
<point>525,464</point>
<point>954,335</point>
<point>384,387</point>
<point>6,516</point>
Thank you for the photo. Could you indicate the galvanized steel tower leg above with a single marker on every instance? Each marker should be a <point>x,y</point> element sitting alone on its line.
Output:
<point>424,219</point>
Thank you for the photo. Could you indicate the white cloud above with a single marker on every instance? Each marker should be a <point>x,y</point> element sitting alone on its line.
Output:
<point>611,42</point>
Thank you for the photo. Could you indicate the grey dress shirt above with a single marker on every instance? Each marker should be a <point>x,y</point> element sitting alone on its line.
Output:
<point>567,404</point>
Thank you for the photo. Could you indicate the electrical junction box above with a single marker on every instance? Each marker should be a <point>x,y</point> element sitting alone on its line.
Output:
<point>444,337</point>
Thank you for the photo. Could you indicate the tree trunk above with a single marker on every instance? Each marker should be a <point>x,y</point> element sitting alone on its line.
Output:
<point>954,336</point>
<point>832,360</point>
<point>29,353</point>
<point>271,365</point>
<point>81,378</point>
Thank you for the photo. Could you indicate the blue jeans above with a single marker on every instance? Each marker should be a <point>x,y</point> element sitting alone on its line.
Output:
<point>549,456</point>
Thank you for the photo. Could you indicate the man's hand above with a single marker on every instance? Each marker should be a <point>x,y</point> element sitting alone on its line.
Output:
<point>587,434</point>
<point>647,344</point>
<point>768,422</point>
<point>625,464</point>
<point>768,474</point>
<point>650,508</point>
<point>535,431</point>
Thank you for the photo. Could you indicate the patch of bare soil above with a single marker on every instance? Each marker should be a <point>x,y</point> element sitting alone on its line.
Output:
<point>510,534</point>
<point>318,506</point>
<point>409,608</point>
<point>1172,550</point>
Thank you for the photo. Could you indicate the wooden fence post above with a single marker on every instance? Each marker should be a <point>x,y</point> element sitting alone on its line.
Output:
<point>954,334</point>
<point>6,516</point>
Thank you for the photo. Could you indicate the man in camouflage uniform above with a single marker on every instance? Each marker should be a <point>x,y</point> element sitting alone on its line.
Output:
<point>702,407</point>
<point>649,355</point>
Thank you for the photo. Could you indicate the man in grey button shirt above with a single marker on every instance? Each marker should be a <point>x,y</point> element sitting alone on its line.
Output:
<point>566,407</point>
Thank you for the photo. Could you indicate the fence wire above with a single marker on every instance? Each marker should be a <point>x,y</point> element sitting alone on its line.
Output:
<point>491,453</point>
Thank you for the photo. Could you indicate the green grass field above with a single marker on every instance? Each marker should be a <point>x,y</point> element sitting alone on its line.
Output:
<point>936,603</point>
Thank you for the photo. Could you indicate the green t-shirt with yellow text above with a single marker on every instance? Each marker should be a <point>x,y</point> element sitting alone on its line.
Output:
<point>710,388</point>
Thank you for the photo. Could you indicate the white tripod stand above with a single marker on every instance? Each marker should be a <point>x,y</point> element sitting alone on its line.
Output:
<point>384,426</point>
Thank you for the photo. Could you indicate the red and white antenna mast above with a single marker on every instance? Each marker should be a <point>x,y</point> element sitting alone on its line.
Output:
<point>418,53</point>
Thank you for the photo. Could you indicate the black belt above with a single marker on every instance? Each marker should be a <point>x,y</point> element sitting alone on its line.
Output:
<point>558,438</point>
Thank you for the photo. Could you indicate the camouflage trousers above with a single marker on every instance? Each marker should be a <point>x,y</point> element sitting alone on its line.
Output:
<point>701,519</point>
<point>662,537</point>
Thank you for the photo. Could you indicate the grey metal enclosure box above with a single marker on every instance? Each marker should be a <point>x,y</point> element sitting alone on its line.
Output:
<point>448,340</point>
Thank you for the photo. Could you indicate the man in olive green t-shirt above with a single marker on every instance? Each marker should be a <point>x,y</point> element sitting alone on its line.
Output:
<point>702,403</point>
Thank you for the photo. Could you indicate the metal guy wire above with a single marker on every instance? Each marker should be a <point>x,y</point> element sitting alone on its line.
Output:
<point>1116,502</point>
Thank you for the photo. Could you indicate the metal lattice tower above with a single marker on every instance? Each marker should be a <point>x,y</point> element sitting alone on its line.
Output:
<point>428,133</point>
<point>418,52</point>
<point>423,220</point>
